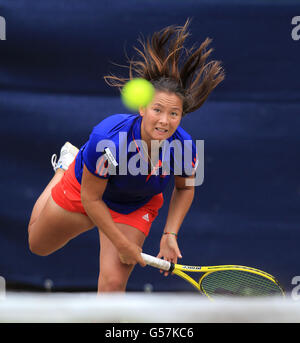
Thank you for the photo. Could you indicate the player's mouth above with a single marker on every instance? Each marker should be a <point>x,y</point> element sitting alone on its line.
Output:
<point>161,131</point>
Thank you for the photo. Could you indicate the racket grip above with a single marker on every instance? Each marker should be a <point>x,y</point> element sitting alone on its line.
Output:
<point>156,262</point>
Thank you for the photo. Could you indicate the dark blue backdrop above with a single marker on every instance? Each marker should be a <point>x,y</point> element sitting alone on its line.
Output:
<point>52,90</point>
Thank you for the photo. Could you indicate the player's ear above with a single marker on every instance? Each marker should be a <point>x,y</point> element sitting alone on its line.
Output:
<point>142,111</point>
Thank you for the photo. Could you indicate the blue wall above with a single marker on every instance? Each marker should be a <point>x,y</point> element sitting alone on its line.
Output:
<point>52,90</point>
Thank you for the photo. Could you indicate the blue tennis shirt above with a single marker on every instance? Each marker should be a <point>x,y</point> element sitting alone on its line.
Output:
<point>114,151</point>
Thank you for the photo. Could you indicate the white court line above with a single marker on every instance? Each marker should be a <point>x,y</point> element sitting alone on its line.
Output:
<point>143,308</point>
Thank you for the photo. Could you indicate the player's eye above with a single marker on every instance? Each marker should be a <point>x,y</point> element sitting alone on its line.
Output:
<point>156,110</point>
<point>174,114</point>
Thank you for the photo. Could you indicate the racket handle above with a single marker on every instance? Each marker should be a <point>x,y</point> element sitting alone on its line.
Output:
<point>156,262</point>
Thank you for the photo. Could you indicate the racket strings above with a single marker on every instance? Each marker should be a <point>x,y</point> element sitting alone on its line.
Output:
<point>238,283</point>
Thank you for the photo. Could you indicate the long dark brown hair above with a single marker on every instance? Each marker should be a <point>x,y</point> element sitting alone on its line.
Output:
<point>169,66</point>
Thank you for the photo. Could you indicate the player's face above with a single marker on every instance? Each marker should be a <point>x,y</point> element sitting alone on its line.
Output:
<point>162,117</point>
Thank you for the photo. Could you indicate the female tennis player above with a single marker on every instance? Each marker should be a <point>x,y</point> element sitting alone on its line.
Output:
<point>89,187</point>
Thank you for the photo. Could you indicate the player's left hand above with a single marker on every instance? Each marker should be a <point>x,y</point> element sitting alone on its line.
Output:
<point>169,250</point>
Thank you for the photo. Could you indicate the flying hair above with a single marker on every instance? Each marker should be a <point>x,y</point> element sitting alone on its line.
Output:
<point>164,61</point>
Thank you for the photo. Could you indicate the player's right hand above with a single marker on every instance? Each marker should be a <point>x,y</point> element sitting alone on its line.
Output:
<point>131,255</point>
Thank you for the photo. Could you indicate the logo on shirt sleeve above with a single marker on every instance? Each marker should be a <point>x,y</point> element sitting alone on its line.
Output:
<point>110,157</point>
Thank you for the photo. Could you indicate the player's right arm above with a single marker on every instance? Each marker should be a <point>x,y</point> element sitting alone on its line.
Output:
<point>92,189</point>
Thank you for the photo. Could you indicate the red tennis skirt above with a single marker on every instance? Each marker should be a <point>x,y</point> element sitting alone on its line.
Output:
<point>66,194</point>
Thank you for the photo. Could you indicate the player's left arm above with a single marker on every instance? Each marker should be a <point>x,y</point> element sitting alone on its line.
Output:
<point>181,200</point>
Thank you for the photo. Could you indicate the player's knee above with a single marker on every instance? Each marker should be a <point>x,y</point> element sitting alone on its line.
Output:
<point>111,284</point>
<point>36,248</point>
<point>38,251</point>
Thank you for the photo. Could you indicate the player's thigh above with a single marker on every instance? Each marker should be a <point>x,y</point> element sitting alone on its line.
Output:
<point>55,226</point>
<point>111,268</point>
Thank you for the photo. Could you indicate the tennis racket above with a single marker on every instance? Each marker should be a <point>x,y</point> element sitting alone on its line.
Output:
<point>224,280</point>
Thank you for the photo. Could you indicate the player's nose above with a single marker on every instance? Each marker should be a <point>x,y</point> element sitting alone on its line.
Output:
<point>164,119</point>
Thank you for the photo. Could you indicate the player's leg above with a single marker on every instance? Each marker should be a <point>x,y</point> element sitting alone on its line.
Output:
<point>114,274</point>
<point>41,201</point>
<point>51,226</point>
<point>67,156</point>
<point>55,227</point>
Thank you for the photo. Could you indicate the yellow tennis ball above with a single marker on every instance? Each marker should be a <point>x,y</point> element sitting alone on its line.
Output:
<point>137,93</point>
